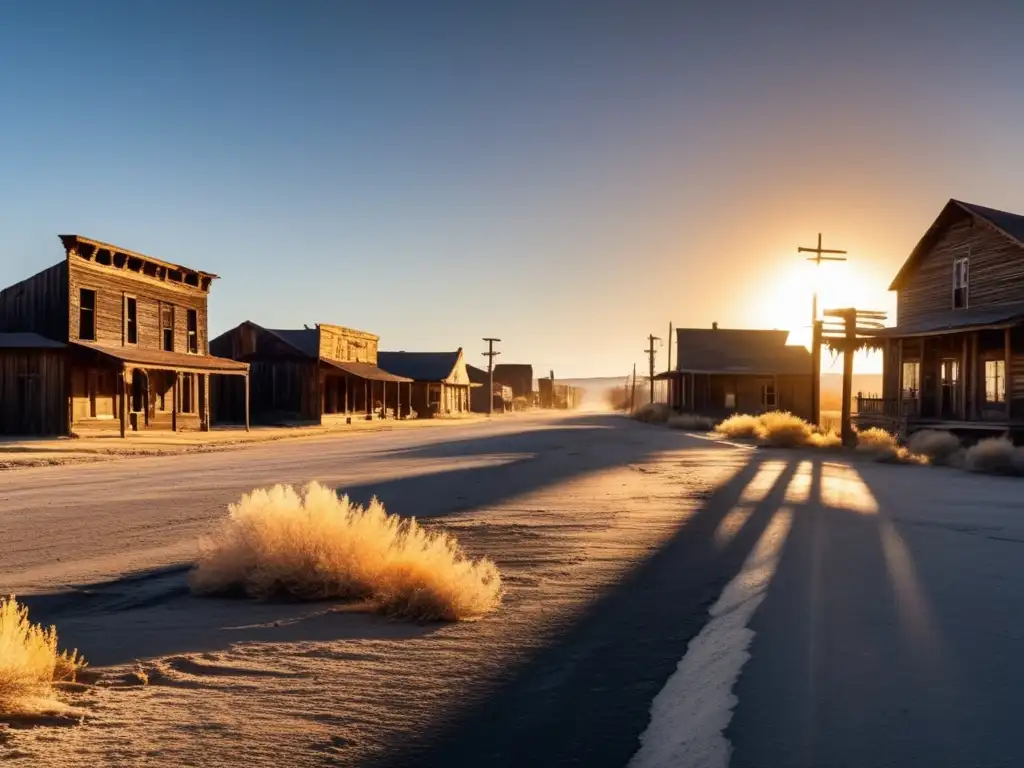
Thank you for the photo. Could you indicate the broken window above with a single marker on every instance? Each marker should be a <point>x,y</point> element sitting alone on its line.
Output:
<point>131,320</point>
<point>960,280</point>
<point>187,388</point>
<point>87,314</point>
<point>167,327</point>
<point>193,331</point>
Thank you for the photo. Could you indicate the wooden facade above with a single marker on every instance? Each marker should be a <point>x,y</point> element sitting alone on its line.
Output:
<point>441,384</point>
<point>310,375</point>
<point>955,359</point>
<point>135,330</point>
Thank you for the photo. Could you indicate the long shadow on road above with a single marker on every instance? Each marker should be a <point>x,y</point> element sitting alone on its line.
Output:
<point>584,698</point>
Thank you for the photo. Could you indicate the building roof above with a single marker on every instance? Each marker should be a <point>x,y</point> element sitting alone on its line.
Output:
<point>741,351</point>
<point>1000,315</point>
<point>28,341</point>
<point>367,371</point>
<point>70,241</point>
<point>1009,224</point>
<point>420,366</point>
<point>172,361</point>
<point>305,340</point>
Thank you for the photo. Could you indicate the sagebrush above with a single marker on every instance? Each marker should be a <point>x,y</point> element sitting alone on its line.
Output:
<point>740,426</point>
<point>313,545</point>
<point>939,447</point>
<point>780,429</point>
<point>995,456</point>
<point>30,662</point>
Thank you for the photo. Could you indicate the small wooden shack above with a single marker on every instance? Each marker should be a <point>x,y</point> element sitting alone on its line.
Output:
<point>131,331</point>
<point>501,396</point>
<point>441,384</point>
<point>314,375</point>
<point>723,371</point>
<point>518,376</point>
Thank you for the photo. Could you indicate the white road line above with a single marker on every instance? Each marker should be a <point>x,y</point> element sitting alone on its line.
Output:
<point>690,714</point>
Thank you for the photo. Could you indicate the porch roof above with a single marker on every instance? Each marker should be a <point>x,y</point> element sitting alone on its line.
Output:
<point>23,340</point>
<point>363,371</point>
<point>977,318</point>
<point>168,361</point>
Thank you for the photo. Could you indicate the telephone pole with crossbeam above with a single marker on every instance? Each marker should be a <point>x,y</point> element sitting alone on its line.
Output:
<point>818,257</point>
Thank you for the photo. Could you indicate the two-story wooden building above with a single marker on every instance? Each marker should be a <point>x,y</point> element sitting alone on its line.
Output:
<point>110,338</point>
<point>314,375</point>
<point>955,359</point>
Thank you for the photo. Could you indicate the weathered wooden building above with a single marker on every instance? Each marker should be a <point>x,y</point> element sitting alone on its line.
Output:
<point>441,384</point>
<point>480,381</point>
<point>518,376</point>
<point>316,375</point>
<point>551,394</point>
<point>130,332</point>
<point>955,359</point>
<point>722,371</point>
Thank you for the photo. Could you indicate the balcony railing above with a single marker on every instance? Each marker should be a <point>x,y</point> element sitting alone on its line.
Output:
<point>869,405</point>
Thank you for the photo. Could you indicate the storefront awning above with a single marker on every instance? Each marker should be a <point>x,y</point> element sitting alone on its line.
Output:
<point>156,359</point>
<point>366,371</point>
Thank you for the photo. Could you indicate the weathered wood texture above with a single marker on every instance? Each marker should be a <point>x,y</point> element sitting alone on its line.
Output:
<point>996,271</point>
<point>347,345</point>
<point>32,386</point>
<point>112,285</point>
<point>280,391</point>
<point>38,304</point>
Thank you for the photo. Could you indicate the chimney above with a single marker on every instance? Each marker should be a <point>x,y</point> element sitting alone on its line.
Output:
<point>714,326</point>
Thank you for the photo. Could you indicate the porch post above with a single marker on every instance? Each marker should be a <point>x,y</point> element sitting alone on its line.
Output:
<point>1008,371</point>
<point>246,401</point>
<point>348,396</point>
<point>398,399</point>
<point>366,395</point>
<point>123,405</point>
<point>899,378</point>
<point>174,401</point>
<point>964,380</point>
<point>975,379</point>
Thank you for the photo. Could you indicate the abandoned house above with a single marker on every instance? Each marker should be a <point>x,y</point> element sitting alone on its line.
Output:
<point>318,375</point>
<point>955,359</point>
<point>518,376</point>
<point>721,371</point>
<point>480,380</point>
<point>441,382</point>
<point>107,339</point>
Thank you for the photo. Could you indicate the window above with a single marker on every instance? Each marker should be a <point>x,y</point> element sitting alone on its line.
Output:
<point>911,379</point>
<point>167,327</point>
<point>960,280</point>
<point>131,320</point>
<point>87,314</point>
<point>995,381</point>
<point>730,399</point>
<point>769,398</point>
<point>193,331</point>
<point>187,388</point>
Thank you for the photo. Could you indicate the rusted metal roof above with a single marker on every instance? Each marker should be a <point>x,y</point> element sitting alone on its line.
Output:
<point>364,370</point>
<point>173,361</point>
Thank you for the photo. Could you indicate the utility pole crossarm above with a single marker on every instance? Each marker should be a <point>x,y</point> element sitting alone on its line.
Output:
<point>490,354</point>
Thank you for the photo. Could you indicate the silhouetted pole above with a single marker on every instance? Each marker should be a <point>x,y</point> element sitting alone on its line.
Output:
<point>816,332</point>
<point>490,354</point>
<point>817,258</point>
<point>849,438</point>
<point>650,357</point>
<point>632,393</point>
<point>668,367</point>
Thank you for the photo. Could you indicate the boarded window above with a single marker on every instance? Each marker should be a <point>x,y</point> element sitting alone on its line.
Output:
<point>131,320</point>
<point>960,281</point>
<point>187,392</point>
<point>995,381</point>
<point>167,327</point>
<point>87,314</point>
<point>193,331</point>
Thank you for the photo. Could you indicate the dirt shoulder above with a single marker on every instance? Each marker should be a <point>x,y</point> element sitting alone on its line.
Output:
<point>17,453</point>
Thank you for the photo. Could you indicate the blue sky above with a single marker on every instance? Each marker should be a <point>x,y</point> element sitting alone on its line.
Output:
<point>567,176</point>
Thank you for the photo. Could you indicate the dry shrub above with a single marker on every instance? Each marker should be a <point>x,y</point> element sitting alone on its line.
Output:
<point>740,426</point>
<point>876,440</point>
<point>995,456</point>
<point>826,440</point>
<point>691,421</point>
<point>652,413</point>
<point>314,545</point>
<point>941,448</point>
<point>784,430</point>
<point>30,663</point>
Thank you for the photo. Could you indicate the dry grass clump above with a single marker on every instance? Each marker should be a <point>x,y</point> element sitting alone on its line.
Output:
<point>652,413</point>
<point>876,440</point>
<point>30,663</point>
<point>825,440</point>
<point>314,545</point>
<point>740,426</point>
<point>691,421</point>
<point>941,448</point>
<point>784,430</point>
<point>995,456</point>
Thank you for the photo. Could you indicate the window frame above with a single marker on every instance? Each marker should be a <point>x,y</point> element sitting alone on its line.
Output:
<point>769,388</point>
<point>187,398</point>
<point>998,380</point>
<point>908,392</point>
<point>165,307</point>
<point>126,328</point>
<point>92,310</point>
<point>962,281</point>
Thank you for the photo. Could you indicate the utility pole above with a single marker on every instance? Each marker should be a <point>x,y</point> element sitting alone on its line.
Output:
<point>490,354</point>
<point>671,381</point>
<point>632,392</point>
<point>818,257</point>
<point>651,338</point>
